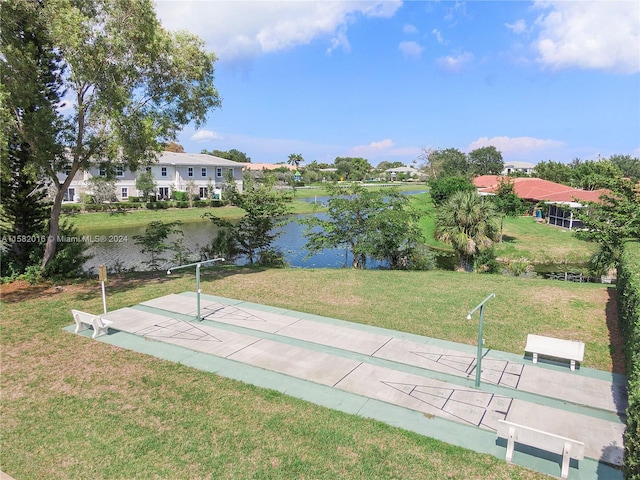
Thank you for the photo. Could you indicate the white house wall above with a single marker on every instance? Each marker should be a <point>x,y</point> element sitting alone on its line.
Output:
<point>172,176</point>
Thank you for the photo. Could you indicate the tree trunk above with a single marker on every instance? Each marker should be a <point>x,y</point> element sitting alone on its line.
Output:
<point>54,226</point>
<point>56,209</point>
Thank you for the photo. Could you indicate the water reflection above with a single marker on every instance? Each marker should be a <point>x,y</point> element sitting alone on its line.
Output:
<point>125,254</point>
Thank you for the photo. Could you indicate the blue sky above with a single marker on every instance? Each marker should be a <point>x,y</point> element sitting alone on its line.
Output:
<point>385,80</point>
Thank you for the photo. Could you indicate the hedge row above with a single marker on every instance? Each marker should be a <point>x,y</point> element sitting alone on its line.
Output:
<point>71,208</point>
<point>628,285</point>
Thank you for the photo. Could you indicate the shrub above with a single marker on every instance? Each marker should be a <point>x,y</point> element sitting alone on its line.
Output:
<point>180,196</point>
<point>628,288</point>
<point>486,262</point>
<point>70,255</point>
<point>158,205</point>
<point>71,208</point>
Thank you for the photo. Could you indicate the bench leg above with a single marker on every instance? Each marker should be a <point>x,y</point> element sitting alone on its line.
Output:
<point>535,358</point>
<point>80,326</point>
<point>511,441</point>
<point>573,364</point>
<point>566,458</point>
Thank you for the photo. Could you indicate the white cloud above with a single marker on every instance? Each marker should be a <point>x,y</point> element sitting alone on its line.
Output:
<point>455,63</point>
<point>520,26</point>
<point>516,146</point>
<point>373,148</point>
<point>438,36</point>
<point>590,34</point>
<point>411,50</point>
<point>242,30</point>
<point>383,149</point>
<point>409,29</point>
<point>205,136</point>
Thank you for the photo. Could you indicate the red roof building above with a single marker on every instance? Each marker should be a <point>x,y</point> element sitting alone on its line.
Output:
<point>537,190</point>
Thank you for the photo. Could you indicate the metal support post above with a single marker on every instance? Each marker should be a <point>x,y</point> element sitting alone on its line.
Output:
<point>206,263</point>
<point>480,339</point>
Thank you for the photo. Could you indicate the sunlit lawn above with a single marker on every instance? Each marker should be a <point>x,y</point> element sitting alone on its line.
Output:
<point>76,408</point>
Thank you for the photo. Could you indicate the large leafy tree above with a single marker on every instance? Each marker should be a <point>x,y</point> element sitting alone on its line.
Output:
<point>554,172</point>
<point>446,162</point>
<point>233,154</point>
<point>592,175</point>
<point>350,168</point>
<point>442,188</point>
<point>469,223</point>
<point>253,235</point>
<point>628,165</point>
<point>132,86</point>
<point>369,223</point>
<point>395,235</point>
<point>486,161</point>
<point>611,222</point>
<point>154,241</point>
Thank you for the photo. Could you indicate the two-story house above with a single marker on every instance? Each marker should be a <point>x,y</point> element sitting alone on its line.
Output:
<point>172,172</point>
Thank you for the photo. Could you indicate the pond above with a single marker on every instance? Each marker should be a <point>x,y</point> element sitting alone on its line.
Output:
<point>118,251</point>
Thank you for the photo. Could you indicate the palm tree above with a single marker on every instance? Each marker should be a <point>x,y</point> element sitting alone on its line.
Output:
<point>469,224</point>
<point>295,159</point>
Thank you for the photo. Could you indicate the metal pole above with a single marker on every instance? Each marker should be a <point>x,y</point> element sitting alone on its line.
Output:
<point>480,342</point>
<point>197,265</point>
<point>198,291</point>
<point>480,339</point>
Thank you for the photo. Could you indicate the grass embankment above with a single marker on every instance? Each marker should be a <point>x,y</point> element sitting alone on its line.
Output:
<point>523,239</point>
<point>77,408</point>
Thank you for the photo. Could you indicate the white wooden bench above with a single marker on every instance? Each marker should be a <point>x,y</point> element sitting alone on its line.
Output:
<point>572,350</point>
<point>550,442</point>
<point>85,320</point>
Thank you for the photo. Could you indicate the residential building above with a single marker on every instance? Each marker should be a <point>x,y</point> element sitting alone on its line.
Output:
<point>173,172</point>
<point>408,172</point>
<point>518,167</point>
<point>561,199</point>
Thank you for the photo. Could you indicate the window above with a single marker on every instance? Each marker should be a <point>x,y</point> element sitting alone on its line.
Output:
<point>163,172</point>
<point>219,172</point>
<point>203,192</point>
<point>119,172</point>
<point>124,193</point>
<point>103,172</point>
<point>69,195</point>
<point>190,172</point>
<point>163,193</point>
<point>203,171</point>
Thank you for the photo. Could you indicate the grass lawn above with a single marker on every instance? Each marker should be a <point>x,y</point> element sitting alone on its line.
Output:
<point>77,408</point>
<point>524,238</point>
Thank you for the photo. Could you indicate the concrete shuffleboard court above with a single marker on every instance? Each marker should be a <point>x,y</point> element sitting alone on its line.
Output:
<point>407,373</point>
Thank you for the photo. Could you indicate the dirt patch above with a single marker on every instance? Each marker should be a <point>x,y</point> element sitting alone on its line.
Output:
<point>20,290</point>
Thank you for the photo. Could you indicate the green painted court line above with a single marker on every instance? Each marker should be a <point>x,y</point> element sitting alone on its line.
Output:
<point>471,349</point>
<point>472,438</point>
<point>424,372</point>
